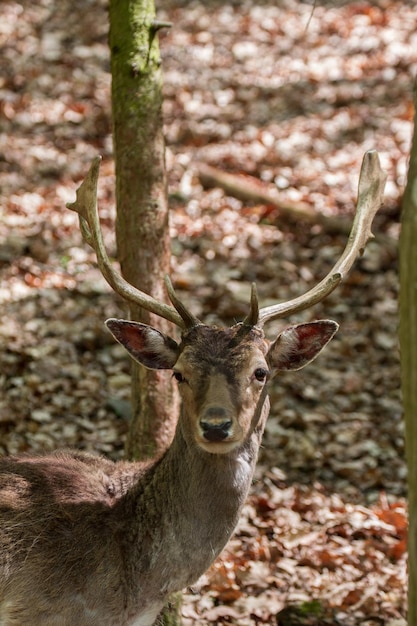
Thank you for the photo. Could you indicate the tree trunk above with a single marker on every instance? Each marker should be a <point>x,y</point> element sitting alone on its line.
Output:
<point>408,344</point>
<point>142,215</point>
<point>142,209</point>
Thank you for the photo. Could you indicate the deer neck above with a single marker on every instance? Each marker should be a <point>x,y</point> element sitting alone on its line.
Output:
<point>192,501</point>
<point>214,482</point>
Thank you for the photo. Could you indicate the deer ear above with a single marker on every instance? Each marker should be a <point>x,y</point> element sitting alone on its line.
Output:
<point>145,344</point>
<point>298,345</point>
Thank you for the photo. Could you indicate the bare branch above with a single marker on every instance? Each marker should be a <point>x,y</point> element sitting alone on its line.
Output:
<point>86,207</point>
<point>370,197</point>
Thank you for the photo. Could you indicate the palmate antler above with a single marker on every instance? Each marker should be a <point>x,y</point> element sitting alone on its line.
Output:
<point>370,197</point>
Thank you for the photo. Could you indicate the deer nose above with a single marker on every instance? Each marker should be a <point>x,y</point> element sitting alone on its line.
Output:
<point>215,424</point>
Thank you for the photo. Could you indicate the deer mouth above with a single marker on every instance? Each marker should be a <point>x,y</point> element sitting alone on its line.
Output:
<point>219,447</point>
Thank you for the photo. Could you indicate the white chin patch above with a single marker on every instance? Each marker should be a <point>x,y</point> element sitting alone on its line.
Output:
<point>222,447</point>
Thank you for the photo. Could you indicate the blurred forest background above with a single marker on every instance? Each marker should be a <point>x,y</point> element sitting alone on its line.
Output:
<point>286,97</point>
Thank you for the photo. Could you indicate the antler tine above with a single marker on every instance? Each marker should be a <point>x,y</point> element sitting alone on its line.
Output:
<point>253,317</point>
<point>188,318</point>
<point>86,207</point>
<point>370,198</point>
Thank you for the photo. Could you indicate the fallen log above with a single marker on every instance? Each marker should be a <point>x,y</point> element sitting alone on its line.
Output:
<point>250,190</point>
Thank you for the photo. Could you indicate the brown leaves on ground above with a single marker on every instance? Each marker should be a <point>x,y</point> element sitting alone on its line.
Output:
<point>301,556</point>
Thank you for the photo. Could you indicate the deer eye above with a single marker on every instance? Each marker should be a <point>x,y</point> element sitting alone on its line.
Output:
<point>178,377</point>
<point>260,374</point>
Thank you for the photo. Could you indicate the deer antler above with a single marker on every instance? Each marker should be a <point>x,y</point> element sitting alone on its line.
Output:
<point>370,197</point>
<point>86,207</point>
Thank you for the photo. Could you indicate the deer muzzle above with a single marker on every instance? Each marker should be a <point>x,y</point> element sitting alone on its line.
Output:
<point>215,424</point>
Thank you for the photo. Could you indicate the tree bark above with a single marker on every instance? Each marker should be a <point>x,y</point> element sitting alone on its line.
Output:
<point>142,210</point>
<point>408,344</point>
<point>142,231</point>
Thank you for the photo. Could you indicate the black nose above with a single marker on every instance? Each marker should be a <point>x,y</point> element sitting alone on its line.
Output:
<point>216,432</point>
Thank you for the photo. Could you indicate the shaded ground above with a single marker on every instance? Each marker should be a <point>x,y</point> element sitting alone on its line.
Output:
<point>294,98</point>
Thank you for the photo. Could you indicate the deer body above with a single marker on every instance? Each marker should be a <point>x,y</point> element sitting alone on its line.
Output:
<point>88,542</point>
<point>122,535</point>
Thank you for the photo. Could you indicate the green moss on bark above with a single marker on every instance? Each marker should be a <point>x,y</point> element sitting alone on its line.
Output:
<point>142,210</point>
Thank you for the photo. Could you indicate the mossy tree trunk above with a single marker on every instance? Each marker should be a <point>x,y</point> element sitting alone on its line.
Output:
<point>142,209</point>
<point>408,344</point>
<point>142,213</point>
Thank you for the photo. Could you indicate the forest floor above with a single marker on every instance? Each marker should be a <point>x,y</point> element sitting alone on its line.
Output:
<point>288,98</point>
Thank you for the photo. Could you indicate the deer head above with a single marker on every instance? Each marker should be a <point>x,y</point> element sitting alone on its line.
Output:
<point>222,372</point>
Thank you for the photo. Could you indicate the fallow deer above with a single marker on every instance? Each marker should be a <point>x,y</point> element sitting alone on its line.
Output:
<point>85,541</point>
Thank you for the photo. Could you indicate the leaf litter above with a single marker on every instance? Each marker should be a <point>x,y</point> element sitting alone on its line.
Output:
<point>291,95</point>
